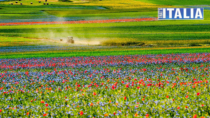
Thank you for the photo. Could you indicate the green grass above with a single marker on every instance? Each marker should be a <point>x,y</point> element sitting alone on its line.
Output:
<point>106,12</point>
<point>74,12</point>
<point>142,31</point>
<point>12,39</point>
<point>25,9</point>
<point>16,41</point>
<point>108,15</point>
<point>105,52</point>
<point>117,29</point>
<point>137,31</point>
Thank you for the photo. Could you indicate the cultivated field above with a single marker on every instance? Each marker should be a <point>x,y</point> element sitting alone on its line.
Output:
<point>172,85</point>
<point>123,63</point>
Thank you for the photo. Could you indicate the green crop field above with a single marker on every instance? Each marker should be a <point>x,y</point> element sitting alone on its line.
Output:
<point>103,58</point>
<point>103,52</point>
<point>156,33</point>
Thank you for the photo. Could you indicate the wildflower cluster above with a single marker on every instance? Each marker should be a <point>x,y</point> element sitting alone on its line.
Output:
<point>173,85</point>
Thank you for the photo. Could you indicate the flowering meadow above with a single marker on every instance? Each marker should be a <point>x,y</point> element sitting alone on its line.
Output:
<point>164,85</point>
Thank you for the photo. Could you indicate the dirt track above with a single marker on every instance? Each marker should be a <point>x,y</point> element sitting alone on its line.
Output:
<point>80,22</point>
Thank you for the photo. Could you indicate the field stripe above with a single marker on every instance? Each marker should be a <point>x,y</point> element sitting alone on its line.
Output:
<point>88,50</point>
<point>105,53</point>
<point>80,22</point>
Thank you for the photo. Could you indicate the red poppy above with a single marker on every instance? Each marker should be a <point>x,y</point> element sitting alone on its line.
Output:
<point>81,113</point>
<point>198,94</point>
<point>45,114</point>
<point>136,115</point>
<point>106,115</point>
<point>113,87</point>
<point>94,93</point>
<point>42,101</point>
<point>186,96</point>
<point>125,98</point>
<point>46,105</point>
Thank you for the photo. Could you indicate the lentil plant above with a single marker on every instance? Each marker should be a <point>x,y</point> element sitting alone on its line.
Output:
<point>170,85</point>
